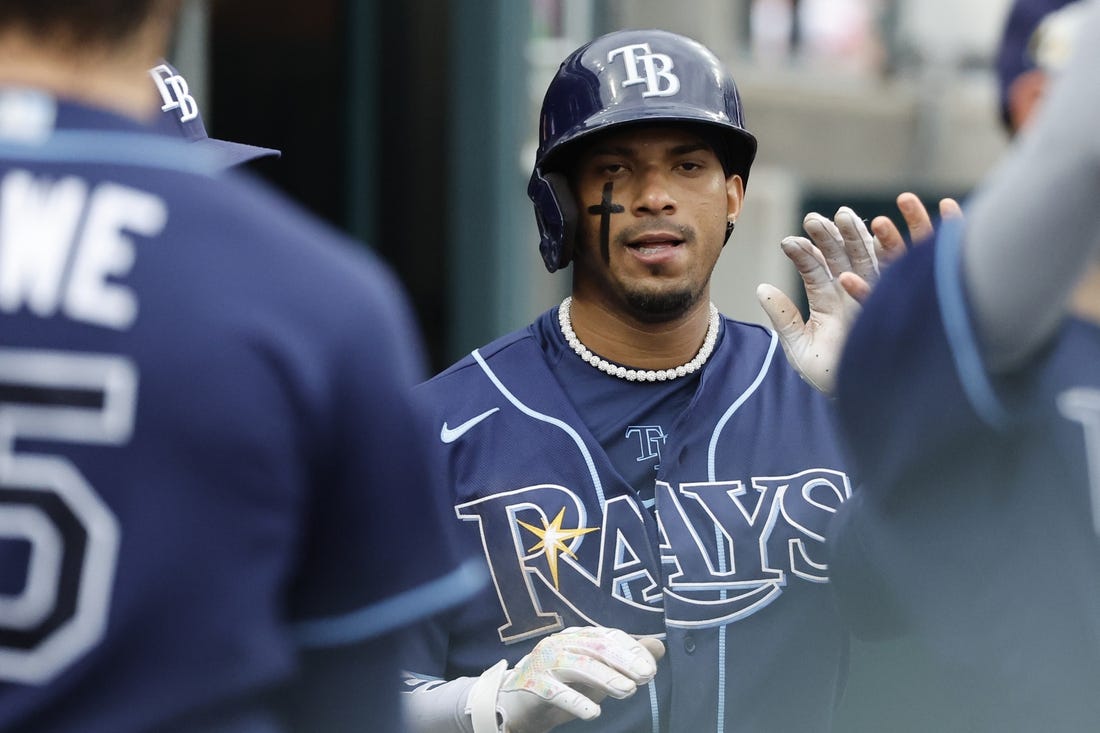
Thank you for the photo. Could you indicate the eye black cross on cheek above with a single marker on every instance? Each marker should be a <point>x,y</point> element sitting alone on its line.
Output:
<point>606,208</point>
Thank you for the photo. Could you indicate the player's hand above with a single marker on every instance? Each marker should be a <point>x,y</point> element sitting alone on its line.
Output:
<point>889,243</point>
<point>843,245</point>
<point>839,268</point>
<point>568,674</point>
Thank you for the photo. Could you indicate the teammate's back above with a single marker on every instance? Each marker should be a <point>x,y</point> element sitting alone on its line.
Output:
<point>203,395</point>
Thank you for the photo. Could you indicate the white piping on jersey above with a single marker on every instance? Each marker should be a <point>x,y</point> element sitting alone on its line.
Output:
<point>960,333</point>
<point>143,149</point>
<point>712,449</point>
<point>654,715</point>
<point>547,419</point>
<point>721,545</point>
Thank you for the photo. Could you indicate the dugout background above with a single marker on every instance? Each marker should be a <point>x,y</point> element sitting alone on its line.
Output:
<point>411,125</point>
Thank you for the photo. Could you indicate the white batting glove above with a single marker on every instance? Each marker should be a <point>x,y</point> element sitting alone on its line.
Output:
<point>565,676</point>
<point>813,346</point>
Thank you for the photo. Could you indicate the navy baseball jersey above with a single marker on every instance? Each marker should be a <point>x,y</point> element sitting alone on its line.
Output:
<point>973,522</point>
<point>211,482</point>
<point>728,568</point>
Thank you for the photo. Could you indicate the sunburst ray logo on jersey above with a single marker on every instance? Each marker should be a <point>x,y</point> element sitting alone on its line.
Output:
<point>552,539</point>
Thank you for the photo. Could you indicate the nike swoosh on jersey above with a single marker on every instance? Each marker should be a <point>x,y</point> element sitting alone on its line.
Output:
<point>450,435</point>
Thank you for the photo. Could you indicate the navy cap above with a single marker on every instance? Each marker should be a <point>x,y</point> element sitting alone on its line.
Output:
<point>1017,52</point>
<point>180,117</point>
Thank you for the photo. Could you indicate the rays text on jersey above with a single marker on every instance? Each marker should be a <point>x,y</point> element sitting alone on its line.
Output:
<point>738,544</point>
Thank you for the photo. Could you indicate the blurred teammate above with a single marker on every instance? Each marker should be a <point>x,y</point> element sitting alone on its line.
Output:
<point>213,507</point>
<point>1036,39</point>
<point>970,396</point>
<point>633,466</point>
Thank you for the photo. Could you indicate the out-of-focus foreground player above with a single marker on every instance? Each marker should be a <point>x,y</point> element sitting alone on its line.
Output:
<point>969,394</point>
<point>213,504</point>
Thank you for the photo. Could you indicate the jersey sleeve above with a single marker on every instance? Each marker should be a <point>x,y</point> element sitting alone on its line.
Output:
<point>378,554</point>
<point>1028,244</point>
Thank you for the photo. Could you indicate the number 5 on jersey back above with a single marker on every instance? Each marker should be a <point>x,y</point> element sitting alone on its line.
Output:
<point>62,538</point>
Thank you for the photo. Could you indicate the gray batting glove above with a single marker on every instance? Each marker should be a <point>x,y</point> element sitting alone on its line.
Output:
<point>813,346</point>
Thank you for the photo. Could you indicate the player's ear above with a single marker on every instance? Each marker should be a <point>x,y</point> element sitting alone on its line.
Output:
<point>1023,95</point>
<point>735,194</point>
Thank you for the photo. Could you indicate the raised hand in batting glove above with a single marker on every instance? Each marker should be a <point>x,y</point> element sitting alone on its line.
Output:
<point>813,346</point>
<point>565,676</point>
<point>889,244</point>
<point>839,268</point>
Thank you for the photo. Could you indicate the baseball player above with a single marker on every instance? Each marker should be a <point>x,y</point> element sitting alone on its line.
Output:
<point>180,116</point>
<point>970,397</point>
<point>1036,38</point>
<point>213,502</point>
<point>648,481</point>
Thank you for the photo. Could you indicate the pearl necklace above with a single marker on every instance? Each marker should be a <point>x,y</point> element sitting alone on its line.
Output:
<point>638,375</point>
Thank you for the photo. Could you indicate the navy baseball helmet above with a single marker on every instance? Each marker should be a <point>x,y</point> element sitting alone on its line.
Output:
<point>622,78</point>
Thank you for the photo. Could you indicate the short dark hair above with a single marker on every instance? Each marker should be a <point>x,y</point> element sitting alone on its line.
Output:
<point>80,21</point>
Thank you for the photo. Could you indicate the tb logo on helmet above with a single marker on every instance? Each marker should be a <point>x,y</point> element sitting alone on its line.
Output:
<point>174,92</point>
<point>589,94</point>
<point>657,66</point>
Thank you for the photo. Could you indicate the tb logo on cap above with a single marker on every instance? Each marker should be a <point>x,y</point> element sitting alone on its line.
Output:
<point>657,68</point>
<point>174,92</point>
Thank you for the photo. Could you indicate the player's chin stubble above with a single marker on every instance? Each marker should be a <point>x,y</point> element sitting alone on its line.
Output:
<point>660,307</point>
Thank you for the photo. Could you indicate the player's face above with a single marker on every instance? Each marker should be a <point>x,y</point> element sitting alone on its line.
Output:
<point>653,204</point>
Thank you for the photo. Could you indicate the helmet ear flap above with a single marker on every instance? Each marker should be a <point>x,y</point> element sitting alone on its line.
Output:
<point>556,215</point>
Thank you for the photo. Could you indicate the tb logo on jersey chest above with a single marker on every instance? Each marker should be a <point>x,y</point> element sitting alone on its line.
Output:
<point>650,438</point>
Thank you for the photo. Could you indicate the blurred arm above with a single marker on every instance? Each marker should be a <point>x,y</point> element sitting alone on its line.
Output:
<point>1035,223</point>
